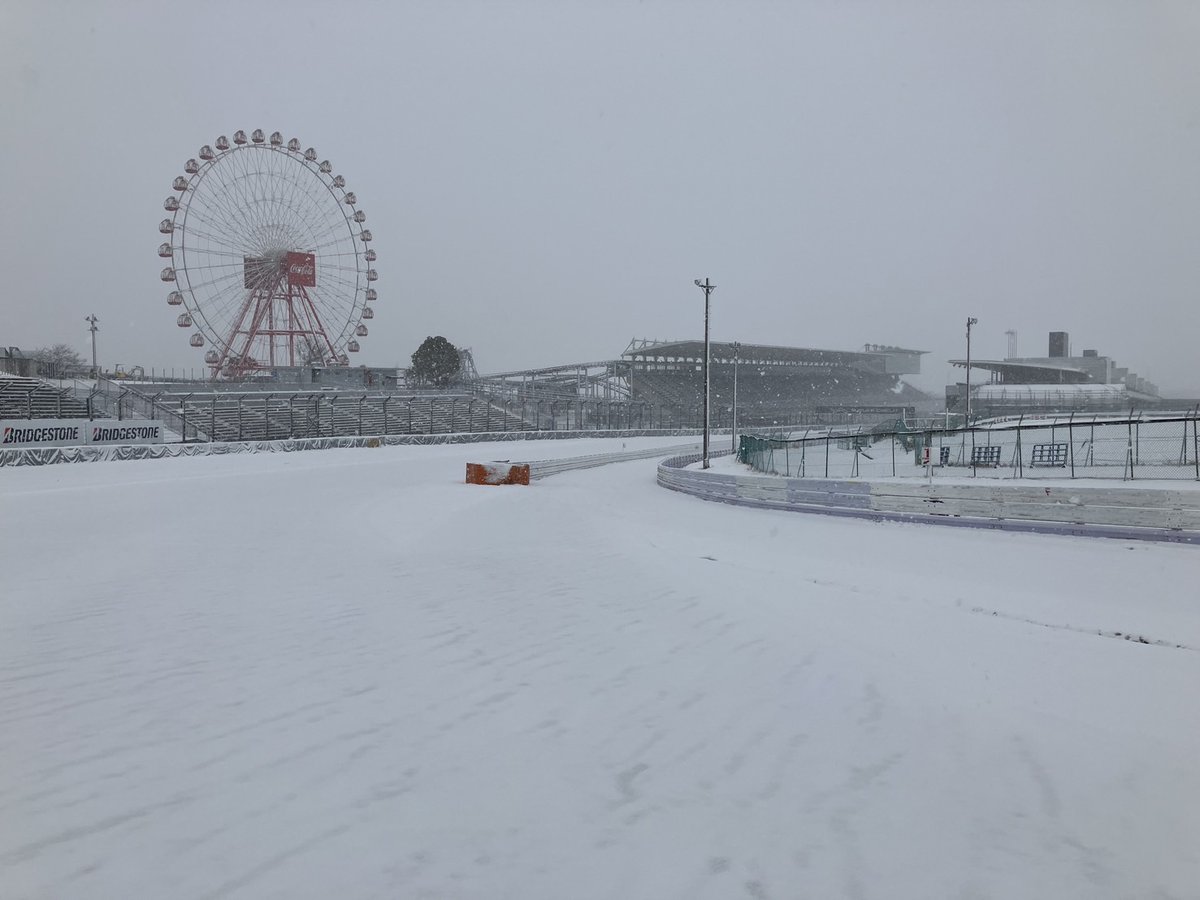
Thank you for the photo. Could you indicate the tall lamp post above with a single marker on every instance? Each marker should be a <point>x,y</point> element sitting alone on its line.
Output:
<point>708,288</point>
<point>737,352</point>
<point>92,320</point>
<point>970,322</point>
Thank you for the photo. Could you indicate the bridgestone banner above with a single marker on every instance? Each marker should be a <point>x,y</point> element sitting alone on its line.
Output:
<point>76,432</point>
<point>139,431</point>
<point>43,432</point>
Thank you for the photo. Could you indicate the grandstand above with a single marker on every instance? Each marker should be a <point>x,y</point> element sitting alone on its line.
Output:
<point>776,385</point>
<point>1004,399</point>
<point>1057,383</point>
<point>31,398</point>
<point>651,385</point>
<point>225,415</point>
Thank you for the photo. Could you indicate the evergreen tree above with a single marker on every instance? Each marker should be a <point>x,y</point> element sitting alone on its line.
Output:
<point>436,362</point>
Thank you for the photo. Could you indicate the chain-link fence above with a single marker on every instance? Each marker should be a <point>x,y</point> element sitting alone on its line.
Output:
<point>1122,448</point>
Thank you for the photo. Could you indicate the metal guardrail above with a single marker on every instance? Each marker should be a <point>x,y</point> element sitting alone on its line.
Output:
<point>544,468</point>
<point>1145,514</point>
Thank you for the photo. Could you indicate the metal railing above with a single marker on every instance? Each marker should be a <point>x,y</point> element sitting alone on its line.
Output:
<point>266,416</point>
<point>1124,447</point>
<point>35,398</point>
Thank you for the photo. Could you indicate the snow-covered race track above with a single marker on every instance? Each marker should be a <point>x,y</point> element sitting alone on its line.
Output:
<point>349,674</point>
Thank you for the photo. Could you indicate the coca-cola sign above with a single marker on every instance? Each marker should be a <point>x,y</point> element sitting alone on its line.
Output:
<point>302,269</point>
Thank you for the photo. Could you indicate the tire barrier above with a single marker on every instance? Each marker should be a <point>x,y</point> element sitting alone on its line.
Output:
<point>1144,514</point>
<point>497,473</point>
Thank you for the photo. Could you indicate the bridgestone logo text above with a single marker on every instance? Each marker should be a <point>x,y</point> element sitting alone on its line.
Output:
<point>28,435</point>
<point>125,434</point>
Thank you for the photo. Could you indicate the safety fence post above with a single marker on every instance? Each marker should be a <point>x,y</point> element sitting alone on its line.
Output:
<point>1071,441</point>
<point>1129,451</point>
<point>1195,439</point>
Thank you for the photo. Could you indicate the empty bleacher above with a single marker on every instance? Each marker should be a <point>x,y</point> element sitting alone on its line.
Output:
<point>32,398</point>
<point>680,389</point>
<point>766,395</point>
<point>260,416</point>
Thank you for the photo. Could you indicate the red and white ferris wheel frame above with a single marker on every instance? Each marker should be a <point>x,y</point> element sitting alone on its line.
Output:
<point>269,257</point>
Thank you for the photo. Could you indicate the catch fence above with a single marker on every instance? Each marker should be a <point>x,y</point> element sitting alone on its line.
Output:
<point>266,416</point>
<point>1151,446</point>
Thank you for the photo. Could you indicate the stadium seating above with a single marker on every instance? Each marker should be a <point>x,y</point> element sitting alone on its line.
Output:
<point>768,395</point>
<point>31,398</point>
<point>254,416</point>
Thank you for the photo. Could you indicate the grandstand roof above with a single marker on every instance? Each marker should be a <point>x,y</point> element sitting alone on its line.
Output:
<point>876,358</point>
<point>1038,373</point>
<point>1001,391</point>
<point>755,353</point>
<point>565,369</point>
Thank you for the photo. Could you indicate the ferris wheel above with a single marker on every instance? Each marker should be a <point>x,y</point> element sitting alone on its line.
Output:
<point>269,261</point>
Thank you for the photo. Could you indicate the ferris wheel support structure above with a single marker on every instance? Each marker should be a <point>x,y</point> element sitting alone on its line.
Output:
<point>284,315</point>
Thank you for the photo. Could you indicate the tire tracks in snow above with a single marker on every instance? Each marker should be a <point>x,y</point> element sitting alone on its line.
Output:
<point>1081,629</point>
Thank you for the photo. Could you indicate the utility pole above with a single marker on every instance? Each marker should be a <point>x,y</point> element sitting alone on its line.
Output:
<point>737,350</point>
<point>970,322</point>
<point>708,288</point>
<point>92,320</point>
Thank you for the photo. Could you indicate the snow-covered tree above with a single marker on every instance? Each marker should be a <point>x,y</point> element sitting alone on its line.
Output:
<point>436,362</point>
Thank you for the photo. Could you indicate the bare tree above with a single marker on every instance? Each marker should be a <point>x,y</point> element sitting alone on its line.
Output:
<point>57,360</point>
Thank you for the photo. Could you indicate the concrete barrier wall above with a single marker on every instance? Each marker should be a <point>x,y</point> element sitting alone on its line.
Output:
<point>40,456</point>
<point>544,468</point>
<point>1097,511</point>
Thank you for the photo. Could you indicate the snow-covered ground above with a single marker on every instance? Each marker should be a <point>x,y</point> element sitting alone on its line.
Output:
<point>345,673</point>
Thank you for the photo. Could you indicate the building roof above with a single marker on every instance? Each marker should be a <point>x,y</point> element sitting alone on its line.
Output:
<point>876,358</point>
<point>1001,391</point>
<point>1029,372</point>
<point>761,353</point>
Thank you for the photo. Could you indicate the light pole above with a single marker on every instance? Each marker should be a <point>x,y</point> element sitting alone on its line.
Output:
<point>970,322</point>
<point>708,289</point>
<point>92,320</point>
<point>737,350</point>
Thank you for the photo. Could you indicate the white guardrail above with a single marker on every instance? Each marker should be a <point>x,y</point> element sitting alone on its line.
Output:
<point>1159,514</point>
<point>543,468</point>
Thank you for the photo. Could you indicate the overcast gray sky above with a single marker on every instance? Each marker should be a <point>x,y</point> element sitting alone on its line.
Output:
<point>545,180</point>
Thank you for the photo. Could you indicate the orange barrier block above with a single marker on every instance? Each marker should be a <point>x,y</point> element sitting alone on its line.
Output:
<point>497,473</point>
